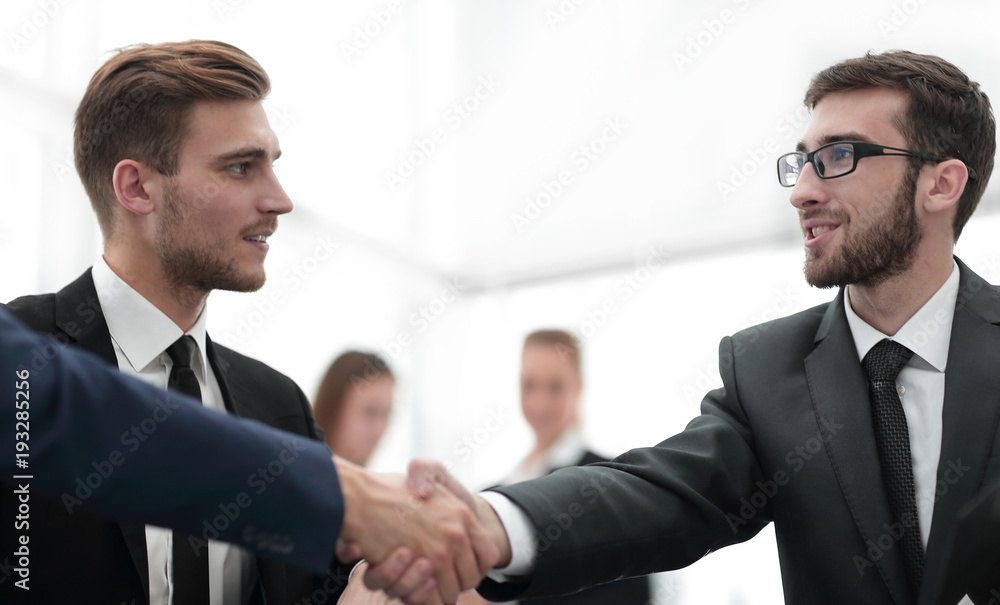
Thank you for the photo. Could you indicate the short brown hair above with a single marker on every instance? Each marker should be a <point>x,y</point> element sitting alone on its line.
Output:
<point>137,104</point>
<point>350,369</point>
<point>947,113</point>
<point>564,343</point>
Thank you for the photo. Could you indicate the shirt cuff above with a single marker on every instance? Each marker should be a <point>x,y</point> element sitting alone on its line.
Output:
<point>519,530</point>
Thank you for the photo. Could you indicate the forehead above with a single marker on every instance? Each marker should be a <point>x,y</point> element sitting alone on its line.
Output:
<point>219,128</point>
<point>373,389</point>
<point>544,356</point>
<point>865,114</point>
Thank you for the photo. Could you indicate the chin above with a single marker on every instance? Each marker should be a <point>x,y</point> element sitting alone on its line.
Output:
<point>239,285</point>
<point>819,276</point>
<point>245,281</point>
<point>253,285</point>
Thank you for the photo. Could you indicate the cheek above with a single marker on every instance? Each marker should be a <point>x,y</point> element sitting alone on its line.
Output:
<point>378,429</point>
<point>350,429</point>
<point>565,409</point>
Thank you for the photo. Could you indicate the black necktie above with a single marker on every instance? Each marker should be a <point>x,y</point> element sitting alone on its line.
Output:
<point>190,565</point>
<point>882,365</point>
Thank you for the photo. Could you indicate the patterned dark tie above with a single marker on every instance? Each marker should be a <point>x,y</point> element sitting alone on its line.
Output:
<point>190,567</point>
<point>882,365</point>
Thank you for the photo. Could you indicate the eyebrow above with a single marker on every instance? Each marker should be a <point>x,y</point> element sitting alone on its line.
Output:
<point>835,138</point>
<point>245,153</point>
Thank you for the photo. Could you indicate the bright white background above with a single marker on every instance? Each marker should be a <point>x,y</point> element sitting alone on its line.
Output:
<point>705,96</point>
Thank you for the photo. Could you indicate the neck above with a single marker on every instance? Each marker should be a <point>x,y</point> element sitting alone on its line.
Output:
<point>541,448</point>
<point>889,305</point>
<point>543,445</point>
<point>183,305</point>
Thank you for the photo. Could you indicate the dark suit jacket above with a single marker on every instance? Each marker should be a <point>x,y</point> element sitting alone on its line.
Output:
<point>629,591</point>
<point>788,439</point>
<point>74,408</point>
<point>78,555</point>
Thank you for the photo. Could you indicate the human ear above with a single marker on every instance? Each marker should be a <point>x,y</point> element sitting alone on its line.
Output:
<point>133,183</point>
<point>948,182</point>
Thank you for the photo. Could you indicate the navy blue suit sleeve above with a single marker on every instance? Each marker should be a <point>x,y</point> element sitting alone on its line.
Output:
<point>111,445</point>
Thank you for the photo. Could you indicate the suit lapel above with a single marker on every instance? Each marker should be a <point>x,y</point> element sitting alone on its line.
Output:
<point>236,400</point>
<point>838,390</point>
<point>971,408</point>
<point>240,403</point>
<point>79,314</point>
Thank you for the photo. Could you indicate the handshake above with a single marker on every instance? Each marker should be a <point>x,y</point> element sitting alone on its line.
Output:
<point>426,537</point>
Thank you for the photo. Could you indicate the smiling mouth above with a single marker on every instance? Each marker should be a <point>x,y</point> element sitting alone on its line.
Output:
<point>818,231</point>
<point>256,238</point>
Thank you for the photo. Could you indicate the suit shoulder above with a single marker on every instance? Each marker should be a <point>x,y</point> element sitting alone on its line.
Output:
<point>37,311</point>
<point>248,367</point>
<point>803,324</point>
<point>590,457</point>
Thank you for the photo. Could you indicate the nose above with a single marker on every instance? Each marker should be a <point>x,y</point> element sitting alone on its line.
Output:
<point>809,189</point>
<point>274,199</point>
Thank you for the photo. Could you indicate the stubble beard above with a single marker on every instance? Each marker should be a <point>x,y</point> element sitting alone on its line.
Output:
<point>194,268</point>
<point>884,248</point>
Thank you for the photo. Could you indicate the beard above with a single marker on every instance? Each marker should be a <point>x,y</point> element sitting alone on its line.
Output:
<point>883,248</point>
<point>193,266</point>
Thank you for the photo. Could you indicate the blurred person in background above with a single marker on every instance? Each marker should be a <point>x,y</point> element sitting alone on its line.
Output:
<point>551,384</point>
<point>353,404</point>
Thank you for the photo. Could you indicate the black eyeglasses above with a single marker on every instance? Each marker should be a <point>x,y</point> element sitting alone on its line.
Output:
<point>837,159</point>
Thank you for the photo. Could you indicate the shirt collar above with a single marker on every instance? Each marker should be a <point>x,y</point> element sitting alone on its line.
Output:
<point>927,333</point>
<point>141,330</point>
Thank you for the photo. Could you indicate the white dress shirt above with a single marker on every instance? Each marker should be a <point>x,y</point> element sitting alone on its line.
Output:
<point>921,388</point>
<point>567,450</point>
<point>920,384</point>
<point>141,334</point>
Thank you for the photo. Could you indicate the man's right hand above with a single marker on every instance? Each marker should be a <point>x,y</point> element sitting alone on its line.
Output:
<point>424,479</point>
<point>382,514</point>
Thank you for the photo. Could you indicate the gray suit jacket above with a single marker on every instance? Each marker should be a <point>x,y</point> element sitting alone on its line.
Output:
<point>788,439</point>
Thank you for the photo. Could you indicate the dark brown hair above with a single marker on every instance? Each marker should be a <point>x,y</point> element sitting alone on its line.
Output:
<point>564,343</point>
<point>947,114</point>
<point>137,104</point>
<point>350,369</point>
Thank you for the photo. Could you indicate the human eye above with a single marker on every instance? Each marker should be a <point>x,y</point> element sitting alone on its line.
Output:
<point>843,153</point>
<point>238,169</point>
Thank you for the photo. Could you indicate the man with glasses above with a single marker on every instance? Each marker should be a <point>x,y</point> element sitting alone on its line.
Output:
<point>860,427</point>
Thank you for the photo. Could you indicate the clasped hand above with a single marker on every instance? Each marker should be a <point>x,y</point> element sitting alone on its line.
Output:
<point>425,536</point>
